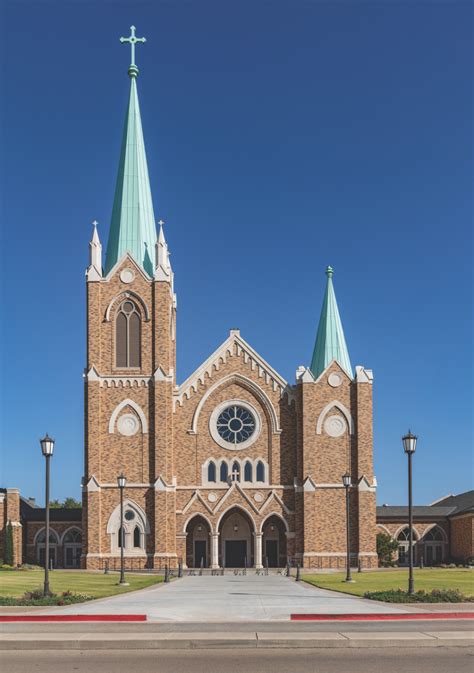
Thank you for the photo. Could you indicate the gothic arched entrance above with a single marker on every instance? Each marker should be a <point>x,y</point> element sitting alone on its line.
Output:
<point>236,537</point>
<point>274,542</point>
<point>198,541</point>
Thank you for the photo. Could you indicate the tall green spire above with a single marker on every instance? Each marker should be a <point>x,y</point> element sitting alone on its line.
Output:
<point>132,228</point>
<point>330,342</point>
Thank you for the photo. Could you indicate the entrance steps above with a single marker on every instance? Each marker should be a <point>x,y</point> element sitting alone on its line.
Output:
<point>196,572</point>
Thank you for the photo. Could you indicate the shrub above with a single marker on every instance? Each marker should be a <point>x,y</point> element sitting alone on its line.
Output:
<point>9,544</point>
<point>30,566</point>
<point>36,597</point>
<point>386,547</point>
<point>434,596</point>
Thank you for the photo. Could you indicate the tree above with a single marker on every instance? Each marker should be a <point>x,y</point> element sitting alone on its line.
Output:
<point>386,546</point>
<point>69,503</point>
<point>9,544</point>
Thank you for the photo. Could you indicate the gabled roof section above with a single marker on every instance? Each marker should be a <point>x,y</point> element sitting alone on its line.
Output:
<point>464,502</point>
<point>234,345</point>
<point>330,341</point>
<point>132,228</point>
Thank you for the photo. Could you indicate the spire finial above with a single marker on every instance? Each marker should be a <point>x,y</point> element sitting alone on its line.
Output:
<point>94,223</point>
<point>329,271</point>
<point>132,39</point>
<point>161,223</point>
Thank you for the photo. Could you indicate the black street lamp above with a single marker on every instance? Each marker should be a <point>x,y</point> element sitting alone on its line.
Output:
<point>346,480</point>
<point>409,446</point>
<point>47,448</point>
<point>121,481</point>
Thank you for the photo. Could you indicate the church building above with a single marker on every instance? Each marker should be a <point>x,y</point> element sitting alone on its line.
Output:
<point>235,465</point>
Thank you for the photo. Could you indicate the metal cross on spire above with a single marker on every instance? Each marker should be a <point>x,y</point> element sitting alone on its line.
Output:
<point>132,39</point>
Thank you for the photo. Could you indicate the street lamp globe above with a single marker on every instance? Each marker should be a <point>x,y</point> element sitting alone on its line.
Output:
<point>121,480</point>
<point>346,479</point>
<point>47,445</point>
<point>409,442</point>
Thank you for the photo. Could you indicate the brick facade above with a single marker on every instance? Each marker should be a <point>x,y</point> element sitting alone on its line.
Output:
<point>10,513</point>
<point>166,454</point>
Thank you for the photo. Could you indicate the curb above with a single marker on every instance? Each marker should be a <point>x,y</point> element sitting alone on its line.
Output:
<point>73,618</point>
<point>96,641</point>
<point>379,617</point>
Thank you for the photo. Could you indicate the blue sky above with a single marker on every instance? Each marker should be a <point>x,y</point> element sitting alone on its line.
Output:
<point>281,137</point>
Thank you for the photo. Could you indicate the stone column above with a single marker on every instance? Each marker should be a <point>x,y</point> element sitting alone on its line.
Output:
<point>258,550</point>
<point>214,550</point>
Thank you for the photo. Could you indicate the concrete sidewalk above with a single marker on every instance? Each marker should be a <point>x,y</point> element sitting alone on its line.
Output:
<point>229,598</point>
<point>224,640</point>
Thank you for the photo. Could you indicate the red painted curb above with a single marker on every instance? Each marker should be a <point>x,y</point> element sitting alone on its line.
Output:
<point>73,618</point>
<point>381,617</point>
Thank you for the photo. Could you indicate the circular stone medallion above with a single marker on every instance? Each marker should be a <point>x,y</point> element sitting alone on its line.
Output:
<point>128,425</point>
<point>258,497</point>
<point>334,379</point>
<point>127,275</point>
<point>335,426</point>
<point>212,497</point>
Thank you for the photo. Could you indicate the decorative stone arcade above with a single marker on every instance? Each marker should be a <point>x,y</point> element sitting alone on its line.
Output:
<point>236,541</point>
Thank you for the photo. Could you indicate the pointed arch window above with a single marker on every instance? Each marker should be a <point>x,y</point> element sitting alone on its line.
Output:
<point>248,471</point>
<point>224,472</point>
<point>121,537</point>
<point>137,537</point>
<point>128,335</point>
<point>260,471</point>
<point>211,471</point>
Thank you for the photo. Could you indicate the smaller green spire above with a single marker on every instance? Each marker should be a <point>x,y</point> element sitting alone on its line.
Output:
<point>330,341</point>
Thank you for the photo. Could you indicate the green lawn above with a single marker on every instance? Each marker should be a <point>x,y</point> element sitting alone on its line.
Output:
<point>461,579</point>
<point>98,585</point>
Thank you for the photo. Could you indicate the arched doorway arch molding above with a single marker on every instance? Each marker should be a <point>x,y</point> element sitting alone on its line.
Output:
<point>198,530</point>
<point>237,538</point>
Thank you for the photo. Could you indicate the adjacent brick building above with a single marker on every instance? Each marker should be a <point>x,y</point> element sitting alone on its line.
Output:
<point>442,531</point>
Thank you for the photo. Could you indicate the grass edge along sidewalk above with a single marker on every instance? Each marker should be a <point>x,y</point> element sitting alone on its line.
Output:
<point>427,579</point>
<point>93,584</point>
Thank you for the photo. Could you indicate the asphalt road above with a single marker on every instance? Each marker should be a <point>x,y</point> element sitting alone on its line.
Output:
<point>436,660</point>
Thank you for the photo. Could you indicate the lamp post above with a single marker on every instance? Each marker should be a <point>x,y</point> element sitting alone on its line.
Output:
<point>121,481</point>
<point>47,448</point>
<point>409,446</point>
<point>346,480</point>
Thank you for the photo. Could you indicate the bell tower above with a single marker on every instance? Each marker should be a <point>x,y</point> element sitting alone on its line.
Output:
<point>130,370</point>
<point>334,439</point>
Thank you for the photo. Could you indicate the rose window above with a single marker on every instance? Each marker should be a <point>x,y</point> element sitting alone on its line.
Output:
<point>235,424</point>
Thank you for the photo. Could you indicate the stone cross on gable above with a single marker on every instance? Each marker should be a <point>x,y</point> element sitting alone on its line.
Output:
<point>133,40</point>
<point>235,475</point>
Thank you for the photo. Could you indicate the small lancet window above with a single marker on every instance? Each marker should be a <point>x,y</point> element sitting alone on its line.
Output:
<point>211,471</point>
<point>137,538</point>
<point>235,471</point>
<point>224,472</point>
<point>260,471</point>
<point>121,537</point>
<point>248,471</point>
<point>128,335</point>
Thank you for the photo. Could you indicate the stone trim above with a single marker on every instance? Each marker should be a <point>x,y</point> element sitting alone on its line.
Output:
<point>343,409</point>
<point>252,387</point>
<point>277,514</point>
<point>234,345</point>
<point>136,407</point>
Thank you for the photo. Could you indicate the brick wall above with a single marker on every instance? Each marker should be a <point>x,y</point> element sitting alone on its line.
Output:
<point>462,537</point>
